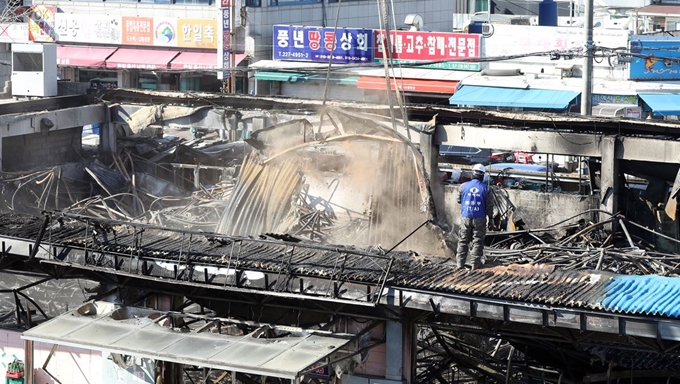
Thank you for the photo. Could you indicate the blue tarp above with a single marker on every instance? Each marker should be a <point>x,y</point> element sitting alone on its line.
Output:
<point>512,97</point>
<point>518,167</point>
<point>662,104</point>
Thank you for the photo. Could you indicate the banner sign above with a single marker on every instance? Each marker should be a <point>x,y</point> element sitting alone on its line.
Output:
<point>14,33</point>
<point>412,47</point>
<point>224,43</point>
<point>509,40</point>
<point>318,44</point>
<point>91,29</point>
<point>41,23</point>
<point>655,58</point>
<point>141,31</point>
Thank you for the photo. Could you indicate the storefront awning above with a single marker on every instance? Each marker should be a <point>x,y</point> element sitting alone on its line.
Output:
<point>662,104</point>
<point>280,76</point>
<point>295,77</point>
<point>150,334</point>
<point>200,60</point>
<point>512,97</point>
<point>125,58</point>
<point>659,10</point>
<point>82,56</point>
<point>408,85</point>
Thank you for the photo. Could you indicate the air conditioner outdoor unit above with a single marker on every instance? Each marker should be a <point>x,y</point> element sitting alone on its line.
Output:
<point>34,70</point>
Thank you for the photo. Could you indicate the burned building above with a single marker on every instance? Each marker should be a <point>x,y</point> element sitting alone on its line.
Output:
<point>316,250</point>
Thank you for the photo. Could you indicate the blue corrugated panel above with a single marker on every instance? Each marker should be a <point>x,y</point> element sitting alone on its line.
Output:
<point>643,294</point>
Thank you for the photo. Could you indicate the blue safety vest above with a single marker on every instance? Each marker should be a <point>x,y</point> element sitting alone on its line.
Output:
<point>473,199</point>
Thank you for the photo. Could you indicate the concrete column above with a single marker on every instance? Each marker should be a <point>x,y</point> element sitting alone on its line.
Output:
<point>394,356</point>
<point>107,134</point>
<point>430,152</point>
<point>28,362</point>
<point>609,189</point>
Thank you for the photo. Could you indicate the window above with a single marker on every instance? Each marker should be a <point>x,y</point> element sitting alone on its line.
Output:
<point>253,3</point>
<point>197,2</point>
<point>27,62</point>
<point>274,3</point>
<point>156,1</point>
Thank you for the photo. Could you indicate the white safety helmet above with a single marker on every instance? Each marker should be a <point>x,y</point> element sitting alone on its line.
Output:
<point>478,169</point>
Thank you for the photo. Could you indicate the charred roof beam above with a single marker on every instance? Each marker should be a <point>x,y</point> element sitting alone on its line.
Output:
<point>659,150</point>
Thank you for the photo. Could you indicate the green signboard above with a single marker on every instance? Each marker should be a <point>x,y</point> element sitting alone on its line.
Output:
<point>456,65</point>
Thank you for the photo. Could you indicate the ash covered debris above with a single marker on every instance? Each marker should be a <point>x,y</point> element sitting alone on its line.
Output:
<point>614,244</point>
<point>167,180</point>
<point>339,178</point>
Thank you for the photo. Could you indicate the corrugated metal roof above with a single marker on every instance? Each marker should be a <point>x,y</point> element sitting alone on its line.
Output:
<point>529,283</point>
<point>542,284</point>
<point>649,295</point>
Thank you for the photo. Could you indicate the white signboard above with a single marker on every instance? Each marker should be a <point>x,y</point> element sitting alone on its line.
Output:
<point>164,32</point>
<point>632,112</point>
<point>505,39</point>
<point>14,33</point>
<point>88,29</point>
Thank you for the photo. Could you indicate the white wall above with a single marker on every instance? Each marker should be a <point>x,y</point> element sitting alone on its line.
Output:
<point>437,16</point>
<point>134,9</point>
<point>315,91</point>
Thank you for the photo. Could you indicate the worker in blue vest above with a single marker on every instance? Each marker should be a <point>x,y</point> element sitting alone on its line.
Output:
<point>476,206</point>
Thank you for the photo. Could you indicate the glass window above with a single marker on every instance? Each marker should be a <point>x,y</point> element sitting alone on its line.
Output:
<point>274,3</point>
<point>99,79</point>
<point>253,3</point>
<point>201,2</point>
<point>27,62</point>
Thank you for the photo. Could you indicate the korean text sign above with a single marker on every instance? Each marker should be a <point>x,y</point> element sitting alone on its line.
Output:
<point>137,30</point>
<point>344,45</point>
<point>197,33</point>
<point>415,46</point>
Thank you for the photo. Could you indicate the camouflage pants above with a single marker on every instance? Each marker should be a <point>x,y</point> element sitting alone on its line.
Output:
<point>471,235</point>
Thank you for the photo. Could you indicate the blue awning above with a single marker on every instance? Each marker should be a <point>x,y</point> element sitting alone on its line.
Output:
<point>662,104</point>
<point>512,97</point>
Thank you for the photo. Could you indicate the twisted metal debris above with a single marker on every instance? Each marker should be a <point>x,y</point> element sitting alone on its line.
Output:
<point>615,244</point>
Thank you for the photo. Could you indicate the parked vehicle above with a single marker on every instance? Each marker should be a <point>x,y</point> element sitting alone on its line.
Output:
<point>472,155</point>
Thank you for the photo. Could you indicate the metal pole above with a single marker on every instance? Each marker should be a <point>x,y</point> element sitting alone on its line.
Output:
<point>28,362</point>
<point>232,56</point>
<point>587,75</point>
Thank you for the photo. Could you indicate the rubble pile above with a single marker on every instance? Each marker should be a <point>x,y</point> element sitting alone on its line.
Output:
<point>334,178</point>
<point>615,244</point>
